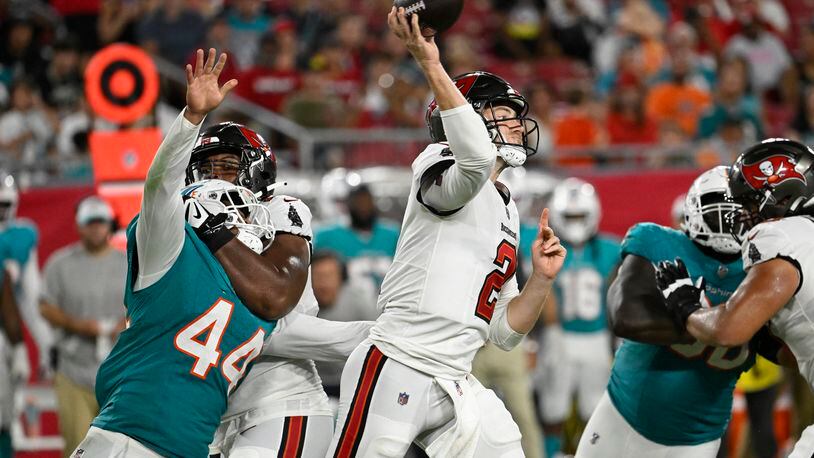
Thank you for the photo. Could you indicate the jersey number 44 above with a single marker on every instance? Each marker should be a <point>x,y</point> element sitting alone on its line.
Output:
<point>207,353</point>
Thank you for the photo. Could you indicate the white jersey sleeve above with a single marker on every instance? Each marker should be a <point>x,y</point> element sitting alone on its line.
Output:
<point>302,336</point>
<point>290,216</point>
<point>451,175</point>
<point>500,333</point>
<point>160,230</point>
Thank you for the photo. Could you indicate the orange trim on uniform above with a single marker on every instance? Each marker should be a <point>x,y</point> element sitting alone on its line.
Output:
<point>293,441</point>
<point>357,415</point>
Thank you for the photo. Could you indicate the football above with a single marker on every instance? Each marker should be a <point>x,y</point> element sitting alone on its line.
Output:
<point>434,16</point>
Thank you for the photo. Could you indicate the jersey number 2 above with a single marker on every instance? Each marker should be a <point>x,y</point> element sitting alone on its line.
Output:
<point>506,262</point>
<point>207,352</point>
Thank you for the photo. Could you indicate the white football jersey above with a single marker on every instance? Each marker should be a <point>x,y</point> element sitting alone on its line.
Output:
<point>789,239</point>
<point>451,273</point>
<point>274,381</point>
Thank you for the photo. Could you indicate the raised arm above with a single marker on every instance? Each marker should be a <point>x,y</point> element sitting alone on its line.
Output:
<point>636,306</point>
<point>160,231</point>
<point>301,336</point>
<point>472,152</point>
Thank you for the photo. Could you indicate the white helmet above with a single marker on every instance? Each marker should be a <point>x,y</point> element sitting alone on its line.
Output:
<point>243,210</point>
<point>574,211</point>
<point>705,210</point>
<point>9,198</point>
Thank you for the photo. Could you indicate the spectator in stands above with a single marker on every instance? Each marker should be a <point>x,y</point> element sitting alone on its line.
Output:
<point>627,123</point>
<point>637,21</point>
<point>118,20</point>
<point>678,100</point>
<point>683,41</point>
<point>218,36</point>
<point>576,25</point>
<point>460,56</point>
<point>365,242</point>
<point>249,22</point>
<point>313,105</point>
<point>61,82</point>
<point>522,30</point>
<point>172,31</point>
<point>803,125</point>
<point>729,140</point>
<point>767,56</point>
<point>629,70</point>
<point>343,73</point>
<point>82,299</point>
<point>273,77</point>
<point>733,98</point>
<point>578,125</point>
<point>339,300</point>
<point>541,108</point>
<point>26,128</point>
<point>20,55</point>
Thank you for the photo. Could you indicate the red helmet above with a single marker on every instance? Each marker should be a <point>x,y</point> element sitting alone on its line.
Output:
<point>258,166</point>
<point>484,91</point>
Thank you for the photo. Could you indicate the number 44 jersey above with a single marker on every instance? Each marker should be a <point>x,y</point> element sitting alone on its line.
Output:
<point>451,278</point>
<point>678,394</point>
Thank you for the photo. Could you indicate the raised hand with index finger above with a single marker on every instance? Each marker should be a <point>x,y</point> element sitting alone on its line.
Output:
<point>547,254</point>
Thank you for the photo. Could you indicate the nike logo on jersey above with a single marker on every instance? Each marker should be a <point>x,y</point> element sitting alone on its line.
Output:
<point>508,231</point>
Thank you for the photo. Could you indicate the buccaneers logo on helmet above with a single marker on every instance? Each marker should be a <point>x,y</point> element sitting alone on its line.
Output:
<point>771,171</point>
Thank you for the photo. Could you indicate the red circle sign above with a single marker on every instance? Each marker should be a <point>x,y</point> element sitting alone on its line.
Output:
<point>121,83</point>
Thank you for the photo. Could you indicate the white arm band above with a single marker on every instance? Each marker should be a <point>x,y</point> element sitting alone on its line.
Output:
<point>301,336</point>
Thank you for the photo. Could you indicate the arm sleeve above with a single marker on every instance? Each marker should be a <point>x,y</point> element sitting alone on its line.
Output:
<point>290,216</point>
<point>160,230</point>
<point>500,333</point>
<point>28,300</point>
<point>447,185</point>
<point>301,336</point>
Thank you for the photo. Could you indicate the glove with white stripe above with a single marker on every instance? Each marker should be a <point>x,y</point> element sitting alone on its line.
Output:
<point>210,227</point>
<point>681,296</point>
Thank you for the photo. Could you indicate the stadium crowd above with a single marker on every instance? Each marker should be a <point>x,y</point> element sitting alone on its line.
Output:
<point>702,77</point>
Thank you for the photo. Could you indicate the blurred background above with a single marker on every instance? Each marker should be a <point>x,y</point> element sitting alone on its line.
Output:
<point>636,97</point>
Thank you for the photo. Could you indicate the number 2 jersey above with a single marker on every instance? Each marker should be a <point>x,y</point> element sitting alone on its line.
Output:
<point>678,394</point>
<point>789,239</point>
<point>451,278</point>
<point>189,342</point>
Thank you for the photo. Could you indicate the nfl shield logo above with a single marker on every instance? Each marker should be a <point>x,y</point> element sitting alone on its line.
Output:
<point>403,398</point>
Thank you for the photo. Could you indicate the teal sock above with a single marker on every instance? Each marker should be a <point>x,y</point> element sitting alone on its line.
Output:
<point>553,444</point>
<point>5,444</point>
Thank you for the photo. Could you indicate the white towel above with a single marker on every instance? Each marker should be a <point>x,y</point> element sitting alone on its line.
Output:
<point>461,440</point>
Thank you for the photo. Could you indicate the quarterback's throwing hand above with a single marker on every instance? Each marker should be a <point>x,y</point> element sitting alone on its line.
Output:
<point>547,254</point>
<point>423,49</point>
<point>681,296</point>
<point>204,94</point>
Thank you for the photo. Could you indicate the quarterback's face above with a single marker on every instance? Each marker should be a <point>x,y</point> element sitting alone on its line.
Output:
<point>222,166</point>
<point>511,129</point>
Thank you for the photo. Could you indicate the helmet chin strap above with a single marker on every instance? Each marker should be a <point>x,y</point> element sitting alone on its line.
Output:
<point>513,155</point>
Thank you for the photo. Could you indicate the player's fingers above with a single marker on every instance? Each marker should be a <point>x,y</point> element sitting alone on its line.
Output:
<point>546,233</point>
<point>544,218</point>
<point>210,61</point>
<point>415,28</point>
<point>220,64</point>
<point>228,86</point>
<point>190,75</point>
<point>404,27</point>
<point>553,241</point>
<point>392,21</point>
<point>199,62</point>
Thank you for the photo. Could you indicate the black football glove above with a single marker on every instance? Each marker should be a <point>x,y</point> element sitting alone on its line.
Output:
<point>681,297</point>
<point>211,228</point>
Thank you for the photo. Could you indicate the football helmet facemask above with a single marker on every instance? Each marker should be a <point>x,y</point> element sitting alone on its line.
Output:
<point>244,211</point>
<point>9,198</point>
<point>485,91</point>
<point>706,208</point>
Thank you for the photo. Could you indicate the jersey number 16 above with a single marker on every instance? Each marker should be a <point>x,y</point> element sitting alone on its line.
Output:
<point>207,352</point>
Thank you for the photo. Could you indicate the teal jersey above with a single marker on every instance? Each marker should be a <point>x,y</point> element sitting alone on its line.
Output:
<point>18,239</point>
<point>582,282</point>
<point>678,394</point>
<point>367,257</point>
<point>189,342</point>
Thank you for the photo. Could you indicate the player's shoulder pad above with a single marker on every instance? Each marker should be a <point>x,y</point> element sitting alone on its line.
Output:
<point>652,241</point>
<point>776,239</point>
<point>434,153</point>
<point>290,215</point>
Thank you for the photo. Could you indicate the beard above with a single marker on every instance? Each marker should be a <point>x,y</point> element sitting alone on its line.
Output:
<point>362,222</point>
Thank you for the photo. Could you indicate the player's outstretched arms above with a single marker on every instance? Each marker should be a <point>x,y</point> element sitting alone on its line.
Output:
<point>160,231</point>
<point>765,290</point>
<point>636,307</point>
<point>469,141</point>
<point>271,284</point>
<point>302,336</point>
